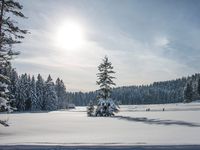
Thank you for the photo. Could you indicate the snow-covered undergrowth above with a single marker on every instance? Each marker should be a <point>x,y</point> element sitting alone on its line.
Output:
<point>178,124</point>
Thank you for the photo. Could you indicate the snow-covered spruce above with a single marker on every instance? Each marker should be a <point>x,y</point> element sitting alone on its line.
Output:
<point>6,98</point>
<point>106,106</point>
<point>188,92</point>
<point>61,93</point>
<point>33,95</point>
<point>50,101</point>
<point>4,93</point>
<point>90,109</point>
<point>39,92</point>
<point>10,34</point>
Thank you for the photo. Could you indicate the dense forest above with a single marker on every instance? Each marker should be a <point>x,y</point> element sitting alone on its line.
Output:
<point>172,91</point>
<point>32,93</point>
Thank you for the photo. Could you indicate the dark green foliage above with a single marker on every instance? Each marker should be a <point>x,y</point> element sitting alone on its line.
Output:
<point>105,106</point>
<point>28,104</point>
<point>61,93</point>
<point>198,87</point>
<point>188,93</point>
<point>157,93</point>
<point>9,31</point>
<point>105,79</point>
<point>10,34</point>
<point>36,94</point>
<point>90,109</point>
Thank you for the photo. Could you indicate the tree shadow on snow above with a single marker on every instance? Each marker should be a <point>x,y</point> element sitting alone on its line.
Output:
<point>157,121</point>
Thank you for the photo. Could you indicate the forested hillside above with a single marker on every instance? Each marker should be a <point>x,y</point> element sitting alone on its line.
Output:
<point>157,93</point>
<point>32,93</point>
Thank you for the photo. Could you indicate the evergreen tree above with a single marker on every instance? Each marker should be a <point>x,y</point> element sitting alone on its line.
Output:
<point>13,86</point>
<point>40,93</point>
<point>10,34</point>
<point>21,96</point>
<point>13,79</point>
<point>33,94</point>
<point>198,87</point>
<point>90,109</point>
<point>4,93</point>
<point>106,106</point>
<point>27,90</point>
<point>61,94</point>
<point>188,93</point>
<point>105,79</point>
<point>50,99</point>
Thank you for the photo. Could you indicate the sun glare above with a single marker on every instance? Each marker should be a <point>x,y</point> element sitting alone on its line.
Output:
<point>70,35</point>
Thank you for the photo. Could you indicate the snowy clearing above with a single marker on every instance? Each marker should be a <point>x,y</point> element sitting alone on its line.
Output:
<point>179,124</point>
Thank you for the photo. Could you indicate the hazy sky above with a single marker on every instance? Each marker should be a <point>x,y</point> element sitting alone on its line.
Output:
<point>146,40</point>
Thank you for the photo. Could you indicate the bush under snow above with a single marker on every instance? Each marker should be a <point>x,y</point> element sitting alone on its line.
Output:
<point>106,107</point>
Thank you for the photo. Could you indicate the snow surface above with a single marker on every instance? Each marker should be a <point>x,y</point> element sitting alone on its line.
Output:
<point>179,124</point>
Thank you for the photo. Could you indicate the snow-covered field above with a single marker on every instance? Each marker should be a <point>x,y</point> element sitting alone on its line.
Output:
<point>179,124</point>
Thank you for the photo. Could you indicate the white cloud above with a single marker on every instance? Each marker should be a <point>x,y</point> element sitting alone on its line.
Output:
<point>161,41</point>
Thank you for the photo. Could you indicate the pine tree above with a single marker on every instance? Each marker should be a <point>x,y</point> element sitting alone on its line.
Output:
<point>50,99</point>
<point>188,93</point>
<point>105,80</point>
<point>21,95</point>
<point>10,34</point>
<point>40,92</point>
<point>13,86</point>
<point>28,101</point>
<point>33,94</point>
<point>13,79</point>
<point>198,87</point>
<point>106,106</point>
<point>90,109</point>
<point>4,93</point>
<point>61,93</point>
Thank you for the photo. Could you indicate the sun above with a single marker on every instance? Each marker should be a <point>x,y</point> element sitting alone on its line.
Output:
<point>70,35</point>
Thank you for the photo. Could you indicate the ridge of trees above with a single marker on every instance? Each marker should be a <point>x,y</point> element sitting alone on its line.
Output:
<point>172,91</point>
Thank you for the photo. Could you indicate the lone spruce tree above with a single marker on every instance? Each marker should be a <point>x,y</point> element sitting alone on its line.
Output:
<point>105,106</point>
<point>10,34</point>
<point>105,78</point>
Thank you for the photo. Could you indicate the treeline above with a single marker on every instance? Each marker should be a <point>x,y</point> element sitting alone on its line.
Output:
<point>32,93</point>
<point>172,91</point>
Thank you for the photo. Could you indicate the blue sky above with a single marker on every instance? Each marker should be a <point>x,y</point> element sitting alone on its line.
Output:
<point>146,40</point>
